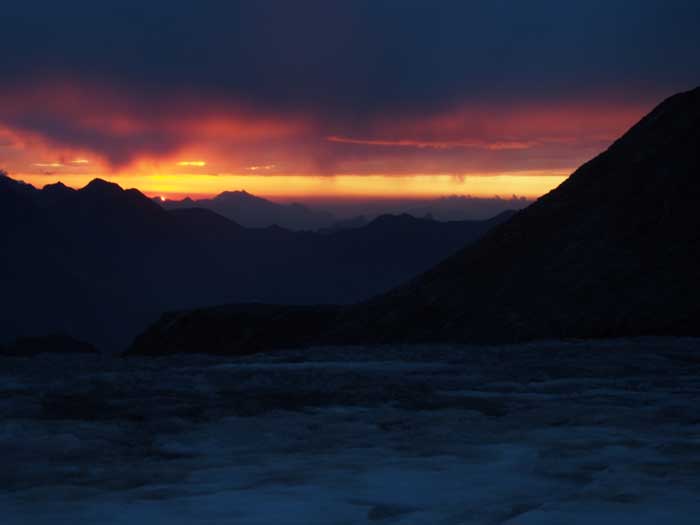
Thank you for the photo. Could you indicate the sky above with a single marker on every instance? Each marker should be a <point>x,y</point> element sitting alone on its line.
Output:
<point>348,99</point>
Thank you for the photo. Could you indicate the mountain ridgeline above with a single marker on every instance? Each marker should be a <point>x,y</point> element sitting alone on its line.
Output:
<point>613,251</point>
<point>101,262</point>
<point>255,212</point>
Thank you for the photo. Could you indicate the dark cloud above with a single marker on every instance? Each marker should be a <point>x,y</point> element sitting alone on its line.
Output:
<point>345,68</point>
<point>361,56</point>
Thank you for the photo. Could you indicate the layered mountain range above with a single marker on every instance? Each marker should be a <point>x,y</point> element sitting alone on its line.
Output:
<point>101,262</point>
<point>613,251</point>
<point>252,211</point>
<point>255,212</point>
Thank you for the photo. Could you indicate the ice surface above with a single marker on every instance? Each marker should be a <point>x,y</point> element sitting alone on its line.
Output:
<point>549,433</point>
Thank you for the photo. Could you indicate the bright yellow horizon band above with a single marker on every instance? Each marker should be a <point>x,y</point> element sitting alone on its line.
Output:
<point>530,184</point>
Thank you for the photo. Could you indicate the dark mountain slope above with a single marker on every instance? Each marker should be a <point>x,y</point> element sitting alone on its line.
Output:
<point>613,251</point>
<point>235,329</point>
<point>346,264</point>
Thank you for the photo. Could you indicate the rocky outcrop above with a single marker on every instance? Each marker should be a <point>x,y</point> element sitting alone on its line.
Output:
<point>235,329</point>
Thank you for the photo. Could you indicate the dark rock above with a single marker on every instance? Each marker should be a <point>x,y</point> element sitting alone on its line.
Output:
<point>235,329</point>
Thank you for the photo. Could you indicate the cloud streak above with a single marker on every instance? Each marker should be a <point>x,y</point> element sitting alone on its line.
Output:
<point>433,144</point>
<point>122,130</point>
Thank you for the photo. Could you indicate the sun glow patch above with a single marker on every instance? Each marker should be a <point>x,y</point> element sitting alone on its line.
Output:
<point>529,184</point>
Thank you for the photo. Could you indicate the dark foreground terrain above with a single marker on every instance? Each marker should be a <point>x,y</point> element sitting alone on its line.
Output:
<point>546,433</point>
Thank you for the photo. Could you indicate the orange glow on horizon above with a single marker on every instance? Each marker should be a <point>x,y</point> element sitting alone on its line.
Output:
<point>219,144</point>
<point>530,184</point>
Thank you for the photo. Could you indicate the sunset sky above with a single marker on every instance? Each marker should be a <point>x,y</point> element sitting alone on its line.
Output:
<point>344,99</point>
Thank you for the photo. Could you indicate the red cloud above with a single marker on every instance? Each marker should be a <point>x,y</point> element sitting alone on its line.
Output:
<point>58,121</point>
<point>121,127</point>
<point>435,144</point>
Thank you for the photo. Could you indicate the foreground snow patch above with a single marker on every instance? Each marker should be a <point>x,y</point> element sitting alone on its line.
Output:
<point>603,432</point>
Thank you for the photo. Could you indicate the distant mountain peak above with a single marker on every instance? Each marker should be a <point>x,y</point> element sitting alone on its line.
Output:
<point>57,187</point>
<point>238,195</point>
<point>102,186</point>
<point>394,219</point>
<point>15,186</point>
<point>252,211</point>
<point>58,184</point>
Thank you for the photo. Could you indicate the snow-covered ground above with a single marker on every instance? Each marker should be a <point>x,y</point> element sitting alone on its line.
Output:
<point>550,433</point>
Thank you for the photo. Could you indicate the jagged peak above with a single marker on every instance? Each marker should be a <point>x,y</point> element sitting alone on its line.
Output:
<point>102,185</point>
<point>57,186</point>
<point>9,182</point>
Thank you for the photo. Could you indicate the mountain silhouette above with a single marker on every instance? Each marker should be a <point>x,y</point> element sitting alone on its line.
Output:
<point>613,251</point>
<point>461,207</point>
<point>255,212</point>
<point>101,262</point>
<point>235,329</point>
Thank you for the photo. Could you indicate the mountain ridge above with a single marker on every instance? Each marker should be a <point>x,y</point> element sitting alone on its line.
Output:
<point>609,252</point>
<point>612,252</point>
<point>99,263</point>
<point>256,212</point>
